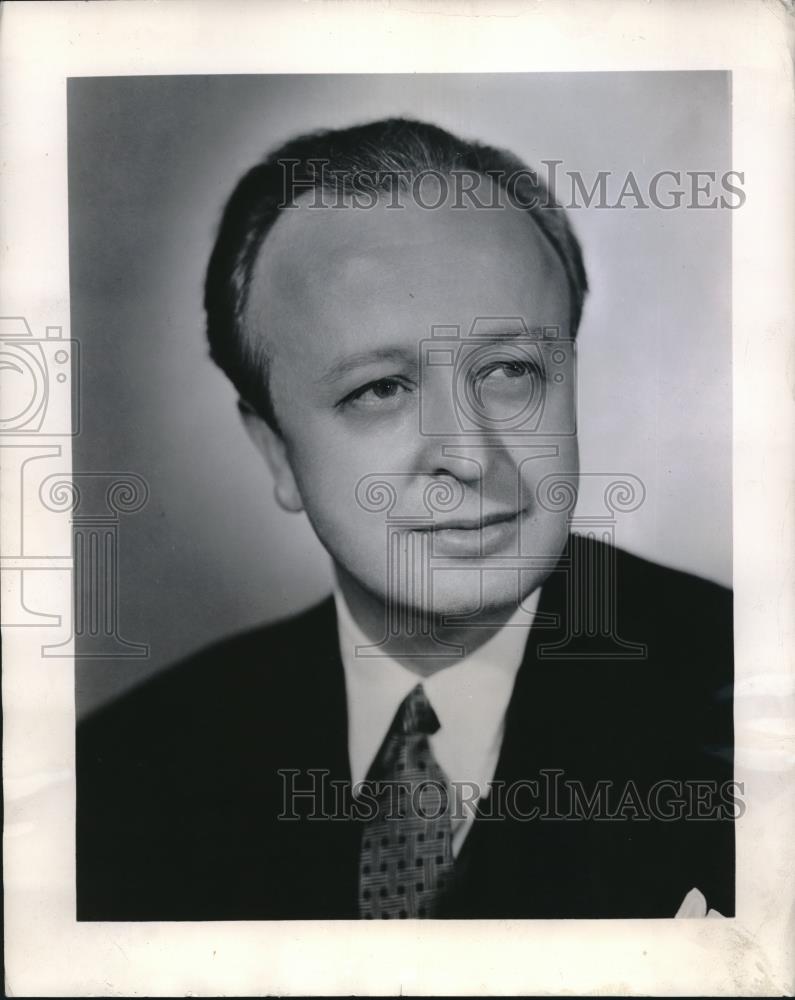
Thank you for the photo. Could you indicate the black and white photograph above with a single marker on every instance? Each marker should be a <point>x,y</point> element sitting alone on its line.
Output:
<point>501,708</point>
<point>386,467</point>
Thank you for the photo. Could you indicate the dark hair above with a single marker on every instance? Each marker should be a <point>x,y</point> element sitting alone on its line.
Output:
<point>374,155</point>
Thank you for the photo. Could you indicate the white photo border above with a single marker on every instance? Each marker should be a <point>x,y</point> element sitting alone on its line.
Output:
<point>47,952</point>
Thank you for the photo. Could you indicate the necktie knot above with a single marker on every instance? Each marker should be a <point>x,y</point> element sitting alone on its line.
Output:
<point>416,714</point>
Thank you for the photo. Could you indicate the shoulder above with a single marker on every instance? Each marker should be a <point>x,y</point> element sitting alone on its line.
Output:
<point>663,637</point>
<point>638,567</point>
<point>173,777</point>
<point>259,666</point>
<point>650,590</point>
<point>306,631</point>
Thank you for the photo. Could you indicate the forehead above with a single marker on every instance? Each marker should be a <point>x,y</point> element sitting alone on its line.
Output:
<point>333,279</point>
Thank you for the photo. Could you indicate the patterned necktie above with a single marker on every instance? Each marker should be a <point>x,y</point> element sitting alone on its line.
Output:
<point>406,858</point>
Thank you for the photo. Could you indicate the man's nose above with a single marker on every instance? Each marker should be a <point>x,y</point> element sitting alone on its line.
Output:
<point>449,444</point>
<point>466,459</point>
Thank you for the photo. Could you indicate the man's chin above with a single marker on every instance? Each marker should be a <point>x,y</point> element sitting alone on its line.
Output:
<point>474,594</point>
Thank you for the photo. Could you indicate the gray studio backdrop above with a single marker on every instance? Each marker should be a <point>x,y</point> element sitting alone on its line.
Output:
<point>151,160</point>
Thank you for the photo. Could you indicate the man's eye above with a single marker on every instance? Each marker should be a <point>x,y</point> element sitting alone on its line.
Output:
<point>385,388</point>
<point>511,369</point>
<point>374,393</point>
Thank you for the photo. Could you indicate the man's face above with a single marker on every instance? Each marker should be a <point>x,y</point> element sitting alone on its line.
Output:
<point>368,390</point>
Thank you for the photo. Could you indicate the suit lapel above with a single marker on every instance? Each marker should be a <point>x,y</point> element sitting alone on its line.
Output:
<point>514,862</point>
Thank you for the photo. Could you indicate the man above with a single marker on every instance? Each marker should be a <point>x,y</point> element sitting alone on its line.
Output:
<point>492,716</point>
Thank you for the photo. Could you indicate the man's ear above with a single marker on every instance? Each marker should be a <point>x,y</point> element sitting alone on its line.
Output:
<point>271,445</point>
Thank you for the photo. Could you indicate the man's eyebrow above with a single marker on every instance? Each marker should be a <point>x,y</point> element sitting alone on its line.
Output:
<point>352,362</point>
<point>508,331</point>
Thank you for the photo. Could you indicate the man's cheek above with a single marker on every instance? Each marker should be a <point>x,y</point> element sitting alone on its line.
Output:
<point>539,475</point>
<point>340,521</point>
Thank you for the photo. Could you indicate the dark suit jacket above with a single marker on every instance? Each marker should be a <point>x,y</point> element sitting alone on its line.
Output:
<point>178,788</point>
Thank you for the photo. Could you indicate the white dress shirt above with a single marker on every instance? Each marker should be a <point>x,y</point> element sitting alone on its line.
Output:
<point>470,699</point>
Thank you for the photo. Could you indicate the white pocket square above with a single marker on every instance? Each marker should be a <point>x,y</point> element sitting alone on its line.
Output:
<point>695,905</point>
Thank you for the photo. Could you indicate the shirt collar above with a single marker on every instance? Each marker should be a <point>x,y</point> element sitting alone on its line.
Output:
<point>470,697</point>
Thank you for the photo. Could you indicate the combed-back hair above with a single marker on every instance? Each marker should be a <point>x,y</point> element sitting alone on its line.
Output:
<point>382,156</point>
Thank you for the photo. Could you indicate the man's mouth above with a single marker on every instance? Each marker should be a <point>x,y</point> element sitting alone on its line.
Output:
<point>475,523</point>
<point>478,536</point>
